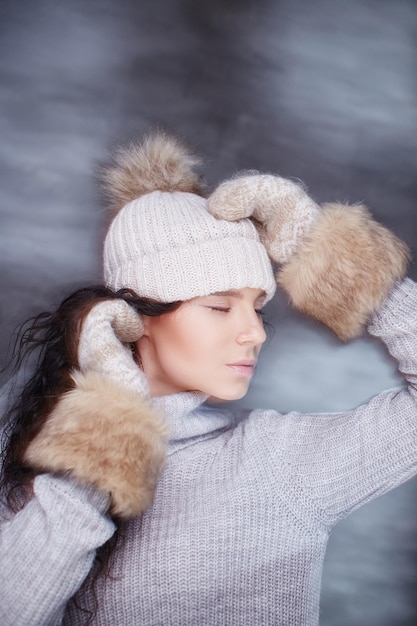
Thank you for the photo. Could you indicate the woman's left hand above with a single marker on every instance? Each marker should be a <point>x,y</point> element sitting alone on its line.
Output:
<point>337,263</point>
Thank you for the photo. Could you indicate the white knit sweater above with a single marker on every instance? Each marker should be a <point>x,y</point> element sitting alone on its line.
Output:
<point>243,510</point>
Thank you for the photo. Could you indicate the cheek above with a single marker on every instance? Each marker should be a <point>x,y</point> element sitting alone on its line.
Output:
<point>191,349</point>
<point>187,345</point>
<point>191,352</point>
<point>177,343</point>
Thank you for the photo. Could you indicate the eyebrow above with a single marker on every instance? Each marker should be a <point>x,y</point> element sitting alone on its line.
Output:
<point>236,294</point>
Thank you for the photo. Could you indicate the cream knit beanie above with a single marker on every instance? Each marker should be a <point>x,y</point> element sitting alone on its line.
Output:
<point>163,242</point>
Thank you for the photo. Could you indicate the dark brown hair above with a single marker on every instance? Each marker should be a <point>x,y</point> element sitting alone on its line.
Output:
<point>48,343</point>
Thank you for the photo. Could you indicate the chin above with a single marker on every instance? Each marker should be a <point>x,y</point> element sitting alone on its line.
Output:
<point>228,395</point>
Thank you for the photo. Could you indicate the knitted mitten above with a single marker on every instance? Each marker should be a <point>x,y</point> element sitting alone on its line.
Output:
<point>103,431</point>
<point>104,341</point>
<point>336,263</point>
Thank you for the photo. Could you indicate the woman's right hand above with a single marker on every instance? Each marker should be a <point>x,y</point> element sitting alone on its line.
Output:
<point>105,341</point>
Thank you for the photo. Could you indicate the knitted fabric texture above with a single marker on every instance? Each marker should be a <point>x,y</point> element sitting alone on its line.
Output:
<point>100,347</point>
<point>240,522</point>
<point>167,246</point>
<point>282,210</point>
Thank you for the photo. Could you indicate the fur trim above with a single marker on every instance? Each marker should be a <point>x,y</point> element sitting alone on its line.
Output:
<point>107,436</point>
<point>160,163</point>
<point>344,268</point>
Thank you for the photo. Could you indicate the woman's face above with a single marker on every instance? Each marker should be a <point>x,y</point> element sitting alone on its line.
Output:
<point>208,344</point>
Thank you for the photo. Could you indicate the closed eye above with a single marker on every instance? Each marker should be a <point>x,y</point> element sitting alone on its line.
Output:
<point>259,312</point>
<point>221,310</point>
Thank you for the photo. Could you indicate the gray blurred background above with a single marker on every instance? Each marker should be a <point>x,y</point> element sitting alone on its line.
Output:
<point>321,90</point>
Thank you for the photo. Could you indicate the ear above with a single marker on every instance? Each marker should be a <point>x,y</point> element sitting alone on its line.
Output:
<point>147,325</point>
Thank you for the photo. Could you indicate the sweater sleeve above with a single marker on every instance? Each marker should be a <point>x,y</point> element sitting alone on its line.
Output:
<point>47,550</point>
<point>333,463</point>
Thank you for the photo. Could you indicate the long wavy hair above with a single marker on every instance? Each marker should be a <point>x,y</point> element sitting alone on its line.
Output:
<point>49,342</point>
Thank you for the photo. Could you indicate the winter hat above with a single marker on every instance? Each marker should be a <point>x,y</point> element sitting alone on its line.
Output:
<point>163,243</point>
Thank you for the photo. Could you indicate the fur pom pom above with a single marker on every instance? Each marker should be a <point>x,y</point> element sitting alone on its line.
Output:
<point>107,436</point>
<point>160,163</point>
<point>344,268</point>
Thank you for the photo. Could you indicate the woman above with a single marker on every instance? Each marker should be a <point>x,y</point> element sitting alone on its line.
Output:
<point>220,520</point>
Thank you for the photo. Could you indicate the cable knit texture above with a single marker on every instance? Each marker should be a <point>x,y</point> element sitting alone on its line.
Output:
<point>241,517</point>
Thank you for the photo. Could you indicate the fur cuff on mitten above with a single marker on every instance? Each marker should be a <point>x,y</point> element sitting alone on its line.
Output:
<point>337,263</point>
<point>105,435</point>
<point>344,268</point>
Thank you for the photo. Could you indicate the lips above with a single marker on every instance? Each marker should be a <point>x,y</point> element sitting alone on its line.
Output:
<point>246,367</point>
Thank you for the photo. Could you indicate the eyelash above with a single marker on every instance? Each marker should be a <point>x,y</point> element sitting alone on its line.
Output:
<point>259,312</point>
<point>214,308</point>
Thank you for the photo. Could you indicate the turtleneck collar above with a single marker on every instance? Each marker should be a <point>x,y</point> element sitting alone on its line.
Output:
<point>187,418</point>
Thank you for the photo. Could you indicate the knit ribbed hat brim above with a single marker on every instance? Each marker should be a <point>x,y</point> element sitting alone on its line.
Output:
<point>166,246</point>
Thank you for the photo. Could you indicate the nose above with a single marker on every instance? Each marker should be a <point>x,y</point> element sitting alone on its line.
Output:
<point>251,330</point>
